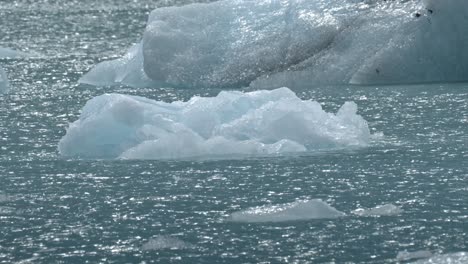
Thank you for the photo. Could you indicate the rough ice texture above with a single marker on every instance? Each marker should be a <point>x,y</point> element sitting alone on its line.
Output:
<point>3,82</point>
<point>265,43</point>
<point>299,210</point>
<point>232,123</point>
<point>453,258</point>
<point>381,210</point>
<point>165,242</point>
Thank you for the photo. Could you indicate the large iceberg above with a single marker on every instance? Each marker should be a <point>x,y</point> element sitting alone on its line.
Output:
<point>232,123</point>
<point>265,43</point>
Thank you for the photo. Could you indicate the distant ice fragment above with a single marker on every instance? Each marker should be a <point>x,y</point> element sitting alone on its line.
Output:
<point>292,43</point>
<point>4,85</point>
<point>452,258</point>
<point>381,210</point>
<point>232,123</point>
<point>165,242</point>
<point>9,53</point>
<point>299,210</point>
<point>405,255</point>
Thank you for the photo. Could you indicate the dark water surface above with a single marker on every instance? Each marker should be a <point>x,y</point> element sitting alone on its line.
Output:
<point>54,210</point>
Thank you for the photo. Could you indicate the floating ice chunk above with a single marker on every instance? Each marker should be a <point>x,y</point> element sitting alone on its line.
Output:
<point>232,123</point>
<point>4,85</point>
<point>299,210</point>
<point>268,43</point>
<point>405,255</point>
<point>165,242</point>
<point>381,210</point>
<point>9,53</point>
<point>5,198</point>
<point>453,258</point>
<point>127,70</point>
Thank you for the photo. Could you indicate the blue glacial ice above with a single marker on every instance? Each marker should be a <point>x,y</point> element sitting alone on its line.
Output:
<point>273,43</point>
<point>295,211</point>
<point>230,124</point>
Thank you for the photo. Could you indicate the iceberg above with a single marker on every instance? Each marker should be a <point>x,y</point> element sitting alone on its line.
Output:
<point>9,53</point>
<point>266,122</point>
<point>452,258</point>
<point>381,210</point>
<point>165,242</point>
<point>3,82</point>
<point>273,43</point>
<point>420,254</point>
<point>296,211</point>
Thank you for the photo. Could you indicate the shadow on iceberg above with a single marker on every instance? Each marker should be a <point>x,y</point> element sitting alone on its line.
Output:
<point>288,43</point>
<point>259,123</point>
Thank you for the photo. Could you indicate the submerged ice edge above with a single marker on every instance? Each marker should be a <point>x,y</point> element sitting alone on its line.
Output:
<point>267,122</point>
<point>289,43</point>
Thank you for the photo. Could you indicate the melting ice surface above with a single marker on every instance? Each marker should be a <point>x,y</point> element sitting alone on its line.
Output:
<point>232,123</point>
<point>281,43</point>
<point>381,210</point>
<point>299,210</point>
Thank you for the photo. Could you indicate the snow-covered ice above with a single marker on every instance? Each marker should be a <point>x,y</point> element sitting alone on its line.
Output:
<point>299,210</point>
<point>267,43</point>
<point>381,210</point>
<point>232,123</point>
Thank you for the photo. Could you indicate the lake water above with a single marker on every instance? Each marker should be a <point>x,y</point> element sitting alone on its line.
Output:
<point>56,210</point>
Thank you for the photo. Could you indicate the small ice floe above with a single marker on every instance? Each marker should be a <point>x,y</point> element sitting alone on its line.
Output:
<point>407,255</point>
<point>452,258</point>
<point>4,198</point>
<point>381,210</point>
<point>299,210</point>
<point>165,242</point>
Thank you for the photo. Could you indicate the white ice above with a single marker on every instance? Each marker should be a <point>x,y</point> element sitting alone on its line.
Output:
<point>273,43</point>
<point>381,210</point>
<point>452,258</point>
<point>295,211</point>
<point>232,123</point>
